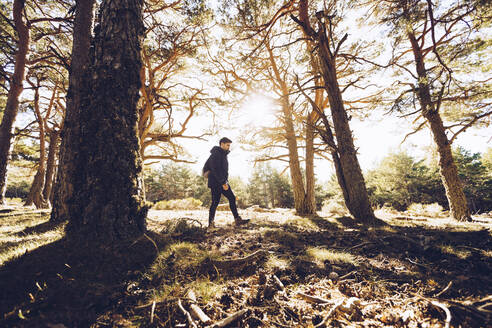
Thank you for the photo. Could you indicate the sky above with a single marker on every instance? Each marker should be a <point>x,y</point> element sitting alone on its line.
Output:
<point>375,137</point>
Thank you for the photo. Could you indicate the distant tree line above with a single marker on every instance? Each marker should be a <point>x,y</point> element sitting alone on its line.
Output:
<point>398,181</point>
<point>267,186</point>
<point>401,180</point>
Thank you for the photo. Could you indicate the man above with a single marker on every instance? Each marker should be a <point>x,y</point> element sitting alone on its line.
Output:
<point>216,169</point>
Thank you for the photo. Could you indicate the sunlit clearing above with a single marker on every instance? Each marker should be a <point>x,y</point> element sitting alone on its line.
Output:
<point>258,110</point>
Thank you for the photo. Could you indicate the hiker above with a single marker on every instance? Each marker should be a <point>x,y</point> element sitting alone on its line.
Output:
<point>216,169</point>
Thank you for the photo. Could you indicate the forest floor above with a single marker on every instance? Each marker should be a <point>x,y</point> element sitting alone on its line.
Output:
<point>280,270</point>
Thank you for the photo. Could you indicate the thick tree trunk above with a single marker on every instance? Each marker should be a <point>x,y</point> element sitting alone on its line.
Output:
<point>108,206</point>
<point>349,173</point>
<point>51,164</point>
<point>356,197</point>
<point>447,168</point>
<point>12,106</point>
<point>35,195</point>
<point>70,134</point>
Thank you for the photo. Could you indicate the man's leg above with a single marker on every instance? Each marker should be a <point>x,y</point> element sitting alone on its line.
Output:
<point>216,192</point>
<point>232,204</point>
<point>232,201</point>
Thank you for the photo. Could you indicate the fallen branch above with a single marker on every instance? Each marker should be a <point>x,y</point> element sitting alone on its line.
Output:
<point>478,315</point>
<point>445,289</point>
<point>152,312</point>
<point>209,264</point>
<point>360,245</point>
<point>279,284</point>
<point>230,319</point>
<point>195,310</point>
<point>416,263</point>
<point>347,275</point>
<point>446,310</point>
<point>312,299</point>
<point>329,314</point>
<point>187,315</point>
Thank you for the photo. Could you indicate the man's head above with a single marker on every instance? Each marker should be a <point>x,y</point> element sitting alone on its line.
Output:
<point>225,143</point>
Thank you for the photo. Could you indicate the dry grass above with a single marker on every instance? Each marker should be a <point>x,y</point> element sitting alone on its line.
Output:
<point>458,252</point>
<point>275,262</point>
<point>320,255</point>
<point>14,243</point>
<point>206,289</point>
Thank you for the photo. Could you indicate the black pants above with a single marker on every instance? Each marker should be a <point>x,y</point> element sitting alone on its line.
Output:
<point>216,193</point>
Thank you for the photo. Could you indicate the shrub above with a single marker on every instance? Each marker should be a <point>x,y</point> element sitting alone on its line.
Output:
<point>18,190</point>
<point>179,204</point>
<point>433,210</point>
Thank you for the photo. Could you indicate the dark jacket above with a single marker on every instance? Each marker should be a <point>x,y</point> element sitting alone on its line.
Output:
<point>218,166</point>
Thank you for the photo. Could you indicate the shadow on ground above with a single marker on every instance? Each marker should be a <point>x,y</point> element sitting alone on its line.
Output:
<point>60,283</point>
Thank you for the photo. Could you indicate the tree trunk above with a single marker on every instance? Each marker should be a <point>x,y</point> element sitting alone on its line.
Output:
<point>310,181</point>
<point>51,164</point>
<point>447,168</point>
<point>300,204</point>
<point>108,206</point>
<point>12,106</point>
<point>70,133</point>
<point>355,194</point>
<point>35,195</point>
<point>349,173</point>
<point>294,166</point>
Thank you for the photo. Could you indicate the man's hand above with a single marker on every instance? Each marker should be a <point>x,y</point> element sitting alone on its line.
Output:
<point>225,186</point>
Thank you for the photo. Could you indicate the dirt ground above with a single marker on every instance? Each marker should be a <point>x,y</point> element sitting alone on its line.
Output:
<point>280,270</point>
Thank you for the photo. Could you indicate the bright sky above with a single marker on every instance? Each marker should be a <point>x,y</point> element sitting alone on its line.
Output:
<point>375,137</point>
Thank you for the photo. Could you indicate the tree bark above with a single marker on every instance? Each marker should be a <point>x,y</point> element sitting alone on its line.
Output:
<point>294,165</point>
<point>356,197</point>
<point>310,200</point>
<point>447,168</point>
<point>349,173</point>
<point>35,195</point>
<point>51,164</point>
<point>108,206</point>
<point>70,133</point>
<point>16,87</point>
<point>300,204</point>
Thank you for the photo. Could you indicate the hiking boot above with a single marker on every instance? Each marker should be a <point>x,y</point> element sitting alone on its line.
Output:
<point>239,221</point>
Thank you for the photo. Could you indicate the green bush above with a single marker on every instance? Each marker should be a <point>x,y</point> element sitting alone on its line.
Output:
<point>179,204</point>
<point>400,180</point>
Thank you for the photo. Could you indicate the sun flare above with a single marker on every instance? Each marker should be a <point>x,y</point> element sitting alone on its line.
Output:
<point>258,110</point>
